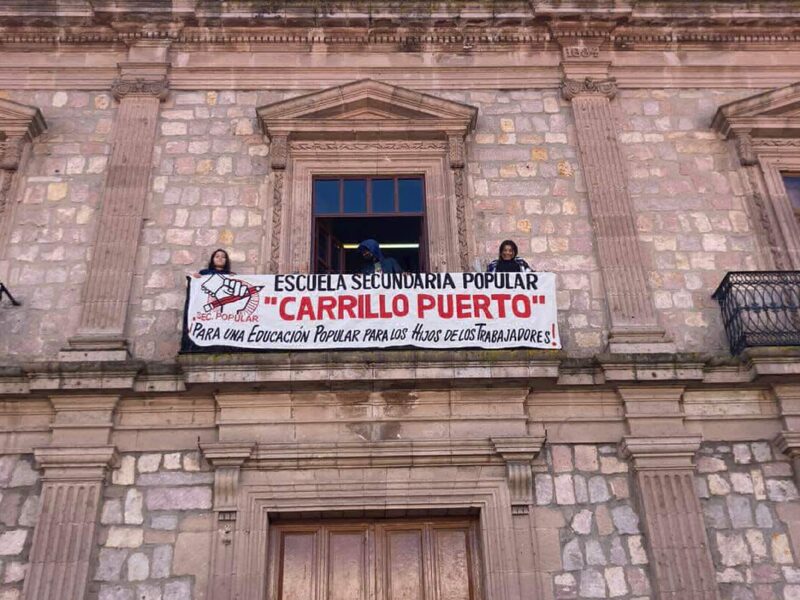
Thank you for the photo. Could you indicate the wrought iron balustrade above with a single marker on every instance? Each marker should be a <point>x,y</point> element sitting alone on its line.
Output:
<point>760,308</point>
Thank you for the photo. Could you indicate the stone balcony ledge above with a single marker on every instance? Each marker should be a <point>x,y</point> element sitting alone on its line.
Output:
<point>329,369</point>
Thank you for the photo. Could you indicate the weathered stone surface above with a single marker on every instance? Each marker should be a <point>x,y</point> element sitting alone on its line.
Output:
<point>571,556</point>
<point>162,561</point>
<point>586,458</point>
<point>125,537</point>
<point>126,472</point>
<point>582,522</point>
<point>781,490</point>
<point>12,542</point>
<point>183,498</point>
<point>165,522</point>
<point>115,593</point>
<point>138,567</point>
<point>148,463</point>
<point>615,579</point>
<point>565,492</point>
<point>543,486</point>
<point>112,512</point>
<point>175,479</point>
<point>23,475</point>
<point>593,584</point>
<point>740,511</point>
<point>595,555</point>
<point>178,590</point>
<point>732,549</point>
<point>598,490</point>
<point>109,565</point>
<point>133,507</point>
<point>636,550</point>
<point>625,519</point>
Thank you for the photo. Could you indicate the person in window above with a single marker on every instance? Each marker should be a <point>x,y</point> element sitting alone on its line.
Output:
<point>218,264</point>
<point>375,261</point>
<point>508,261</point>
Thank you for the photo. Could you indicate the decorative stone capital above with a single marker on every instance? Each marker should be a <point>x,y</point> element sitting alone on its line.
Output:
<point>455,151</point>
<point>518,454</point>
<point>744,147</point>
<point>570,88</point>
<point>665,453</point>
<point>279,152</point>
<point>139,86</point>
<point>75,463</point>
<point>227,459</point>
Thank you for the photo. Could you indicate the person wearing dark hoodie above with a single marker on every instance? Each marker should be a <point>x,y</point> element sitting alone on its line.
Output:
<point>375,261</point>
<point>508,261</point>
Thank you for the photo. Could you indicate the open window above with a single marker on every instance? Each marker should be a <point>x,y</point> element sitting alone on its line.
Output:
<point>388,209</point>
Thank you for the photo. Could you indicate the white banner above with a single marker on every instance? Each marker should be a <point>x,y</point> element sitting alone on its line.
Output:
<point>426,310</point>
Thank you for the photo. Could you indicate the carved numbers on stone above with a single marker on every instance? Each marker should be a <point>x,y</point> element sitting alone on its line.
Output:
<point>602,87</point>
<point>581,52</point>
<point>123,88</point>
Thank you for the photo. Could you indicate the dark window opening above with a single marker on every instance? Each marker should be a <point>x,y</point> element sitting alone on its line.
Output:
<point>348,210</point>
<point>792,184</point>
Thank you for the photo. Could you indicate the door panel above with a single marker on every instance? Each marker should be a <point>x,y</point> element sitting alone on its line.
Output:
<point>410,559</point>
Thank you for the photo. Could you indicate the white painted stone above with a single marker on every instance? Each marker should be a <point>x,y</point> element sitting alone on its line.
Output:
<point>781,490</point>
<point>730,576</point>
<point>791,574</point>
<point>636,550</point>
<point>138,567</point>
<point>13,541</point>
<point>761,451</point>
<point>148,463</point>
<point>732,549</point>
<point>15,572</point>
<point>133,507</point>
<point>582,522</point>
<point>718,486</point>
<point>791,592</point>
<point>615,579</point>
<point>172,461</point>
<point>191,461</point>
<point>759,487</point>
<point>60,99</point>
<point>758,548</point>
<point>550,105</point>
<point>125,537</point>
<point>125,474</point>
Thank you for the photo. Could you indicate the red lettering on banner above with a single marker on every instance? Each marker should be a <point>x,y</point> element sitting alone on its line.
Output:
<point>385,314</point>
<point>480,304</point>
<point>400,305</point>
<point>347,306</point>
<point>501,300</point>
<point>282,308</point>
<point>306,310</point>
<point>521,306</point>
<point>425,302</point>
<point>325,306</point>
<point>463,306</point>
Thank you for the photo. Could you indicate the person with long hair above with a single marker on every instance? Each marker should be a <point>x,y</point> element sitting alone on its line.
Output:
<point>508,260</point>
<point>218,263</point>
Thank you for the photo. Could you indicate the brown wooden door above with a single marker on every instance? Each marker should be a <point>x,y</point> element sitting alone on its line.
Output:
<point>422,559</point>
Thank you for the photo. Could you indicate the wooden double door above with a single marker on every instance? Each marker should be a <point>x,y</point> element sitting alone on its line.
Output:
<point>421,559</point>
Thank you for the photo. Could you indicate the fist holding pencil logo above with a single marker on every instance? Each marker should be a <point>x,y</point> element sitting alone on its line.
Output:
<point>229,295</point>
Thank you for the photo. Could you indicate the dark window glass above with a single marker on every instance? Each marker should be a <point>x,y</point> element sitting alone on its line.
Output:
<point>410,195</point>
<point>335,251</point>
<point>383,195</point>
<point>792,183</point>
<point>322,245</point>
<point>326,196</point>
<point>355,196</point>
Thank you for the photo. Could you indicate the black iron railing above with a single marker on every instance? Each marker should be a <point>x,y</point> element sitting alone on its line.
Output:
<point>760,308</point>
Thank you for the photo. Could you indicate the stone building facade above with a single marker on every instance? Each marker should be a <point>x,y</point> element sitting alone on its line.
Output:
<point>639,150</point>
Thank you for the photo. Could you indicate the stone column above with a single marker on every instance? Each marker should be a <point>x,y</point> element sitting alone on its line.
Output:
<point>75,467</point>
<point>634,326</point>
<point>101,333</point>
<point>457,160</point>
<point>662,451</point>
<point>227,459</point>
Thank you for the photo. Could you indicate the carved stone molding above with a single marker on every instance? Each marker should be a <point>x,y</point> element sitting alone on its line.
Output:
<point>337,127</point>
<point>64,537</point>
<point>571,88</point>
<point>227,459</point>
<point>127,88</point>
<point>518,454</point>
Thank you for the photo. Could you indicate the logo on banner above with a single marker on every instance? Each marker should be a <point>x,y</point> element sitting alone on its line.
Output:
<point>230,296</point>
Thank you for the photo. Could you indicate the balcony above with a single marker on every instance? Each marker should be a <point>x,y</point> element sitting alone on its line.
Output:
<point>760,308</point>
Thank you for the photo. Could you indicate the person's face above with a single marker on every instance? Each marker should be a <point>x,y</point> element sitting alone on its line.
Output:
<point>219,259</point>
<point>507,252</point>
<point>367,255</point>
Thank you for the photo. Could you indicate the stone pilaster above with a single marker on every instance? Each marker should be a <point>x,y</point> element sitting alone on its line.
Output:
<point>63,541</point>
<point>101,334</point>
<point>634,326</point>
<point>457,160</point>
<point>673,519</point>
<point>788,440</point>
<point>19,126</point>
<point>227,459</point>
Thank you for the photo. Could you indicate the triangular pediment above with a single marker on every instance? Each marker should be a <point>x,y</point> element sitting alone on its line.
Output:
<point>18,120</point>
<point>364,106</point>
<point>775,113</point>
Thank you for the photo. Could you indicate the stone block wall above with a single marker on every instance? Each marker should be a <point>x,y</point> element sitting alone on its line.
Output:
<point>602,549</point>
<point>155,529</point>
<point>20,489</point>
<point>749,500</point>
<point>45,261</point>
<point>209,189</point>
